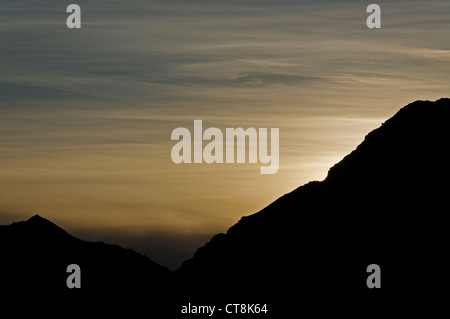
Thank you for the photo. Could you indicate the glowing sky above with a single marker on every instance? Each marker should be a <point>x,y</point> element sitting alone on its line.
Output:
<point>86,115</point>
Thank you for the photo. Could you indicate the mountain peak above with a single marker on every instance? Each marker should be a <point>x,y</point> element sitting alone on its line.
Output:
<point>36,218</point>
<point>41,227</point>
<point>40,221</point>
<point>422,113</point>
<point>411,143</point>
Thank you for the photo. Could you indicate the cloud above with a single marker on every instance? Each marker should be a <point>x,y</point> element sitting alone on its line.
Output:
<point>86,115</point>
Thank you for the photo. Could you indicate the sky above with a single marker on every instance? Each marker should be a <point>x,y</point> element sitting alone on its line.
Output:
<point>86,115</point>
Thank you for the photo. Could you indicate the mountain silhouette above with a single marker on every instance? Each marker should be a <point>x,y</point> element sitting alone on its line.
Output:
<point>35,255</point>
<point>385,203</point>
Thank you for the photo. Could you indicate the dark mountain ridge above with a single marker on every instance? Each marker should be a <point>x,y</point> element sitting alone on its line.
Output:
<point>385,203</point>
<point>35,255</point>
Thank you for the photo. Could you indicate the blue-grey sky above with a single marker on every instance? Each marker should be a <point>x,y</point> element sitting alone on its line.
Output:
<point>86,114</point>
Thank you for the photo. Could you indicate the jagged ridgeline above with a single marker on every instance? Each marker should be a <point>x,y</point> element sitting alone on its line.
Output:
<point>385,203</point>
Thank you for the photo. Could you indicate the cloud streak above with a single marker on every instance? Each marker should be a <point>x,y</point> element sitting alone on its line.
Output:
<point>86,115</point>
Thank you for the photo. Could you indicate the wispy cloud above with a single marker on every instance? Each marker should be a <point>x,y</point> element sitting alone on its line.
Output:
<point>86,115</point>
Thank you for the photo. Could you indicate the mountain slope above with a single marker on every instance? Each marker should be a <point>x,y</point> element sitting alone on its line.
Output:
<point>385,203</point>
<point>35,255</point>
